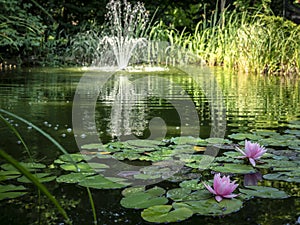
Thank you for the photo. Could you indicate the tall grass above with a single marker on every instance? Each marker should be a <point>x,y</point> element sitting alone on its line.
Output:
<point>256,43</point>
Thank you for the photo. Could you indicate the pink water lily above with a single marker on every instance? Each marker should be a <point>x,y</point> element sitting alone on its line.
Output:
<point>222,187</point>
<point>253,151</point>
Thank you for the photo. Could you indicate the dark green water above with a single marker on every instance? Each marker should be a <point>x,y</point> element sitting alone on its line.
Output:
<point>45,98</point>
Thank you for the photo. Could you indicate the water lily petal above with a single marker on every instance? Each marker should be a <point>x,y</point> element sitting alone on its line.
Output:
<point>230,196</point>
<point>209,188</point>
<point>252,161</point>
<point>218,198</point>
<point>241,151</point>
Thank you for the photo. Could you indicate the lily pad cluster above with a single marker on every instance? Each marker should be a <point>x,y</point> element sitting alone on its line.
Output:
<point>158,205</point>
<point>9,174</point>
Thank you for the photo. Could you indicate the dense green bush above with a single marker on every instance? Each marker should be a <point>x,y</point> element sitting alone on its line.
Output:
<point>21,32</point>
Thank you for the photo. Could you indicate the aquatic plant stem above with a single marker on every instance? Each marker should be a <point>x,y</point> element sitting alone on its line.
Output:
<point>16,132</point>
<point>43,133</point>
<point>36,182</point>
<point>92,205</point>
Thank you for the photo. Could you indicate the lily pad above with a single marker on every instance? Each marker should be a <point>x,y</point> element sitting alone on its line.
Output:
<point>10,174</point>
<point>291,176</point>
<point>84,167</point>
<point>97,146</point>
<point>11,191</point>
<point>72,158</point>
<point>165,214</point>
<point>144,143</point>
<point>42,177</point>
<point>210,207</point>
<point>188,140</point>
<point>100,182</point>
<point>264,192</point>
<point>144,199</point>
<point>132,190</point>
<point>243,136</point>
<point>218,141</point>
<point>192,184</point>
<point>126,155</point>
<point>73,178</point>
<point>178,194</point>
<point>234,168</point>
<point>30,166</point>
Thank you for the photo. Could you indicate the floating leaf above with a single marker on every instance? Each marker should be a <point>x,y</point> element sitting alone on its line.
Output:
<point>132,190</point>
<point>126,155</point>
<point>30,166</point>
<point>178,194</point>
<point>210,207</point>
<point>42,177</point>
<point>72,177</point>
<point>192,184</point>
<point>218,141</point>
<point>243,136</point>
<point>144,199</point>
<point>273,163</point>
<point>97,146</point>
<point>264,192</point>
<point>100,182</point>
<point>10,174</point>
<point>165,214</point>
<point>198,195</point>
<point>234,168</point>
<point>293,176</point>
<point>71,158</point>
<point>84,167</point>
<point>11,191</point>
<point>144,143</point>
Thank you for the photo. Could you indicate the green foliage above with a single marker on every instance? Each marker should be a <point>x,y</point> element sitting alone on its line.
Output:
<point>20,31</point>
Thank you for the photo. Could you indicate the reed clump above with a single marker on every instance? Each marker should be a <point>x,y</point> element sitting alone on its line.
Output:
<point>258,43</point>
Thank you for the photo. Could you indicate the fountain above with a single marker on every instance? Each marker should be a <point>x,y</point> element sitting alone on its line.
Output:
<point>125,35</point>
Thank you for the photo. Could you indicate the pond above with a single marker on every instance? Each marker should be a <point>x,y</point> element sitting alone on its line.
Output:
<point>216,107</point>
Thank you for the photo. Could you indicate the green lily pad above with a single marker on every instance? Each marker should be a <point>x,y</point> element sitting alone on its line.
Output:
<point>275,163</point>
<point>291,176</point>
<point>100,182</point>
<point>266,133</point>
<point>187,140</point>
<point>294,132</point>
<point>192,184</point>
<point>42,177</point>
<point>72,158</point>
<point>264,192</point>
<point>126,155</point>
<point>178,194</point>
<point>30,166</point>
<point>234,168</point>
<point>160,155</point>
<point>143,143</point>
<point>97,146</point>
<point>84,167</point>
<point>165,214</point>
<point>10,174</point>
<point>198,195</point>
<point>132,190</point>
<point>11,191</point>
<point>144,199</point>
<point>73,178</point>
<point>210,207</point>
<point>243,136</point>
<point>218,141</point>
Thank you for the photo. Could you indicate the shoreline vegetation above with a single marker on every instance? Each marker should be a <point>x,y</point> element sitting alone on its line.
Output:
<point>250,41</point>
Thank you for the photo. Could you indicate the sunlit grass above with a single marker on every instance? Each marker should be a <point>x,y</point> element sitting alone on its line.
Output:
<point>263,44</point>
